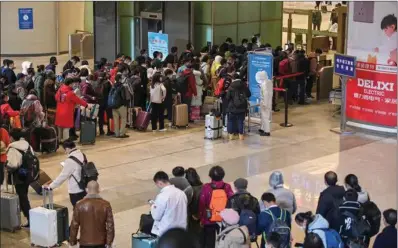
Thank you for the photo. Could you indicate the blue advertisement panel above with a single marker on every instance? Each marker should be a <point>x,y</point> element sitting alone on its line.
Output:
<point>158,42</point>
<point>258,62</point>
<point>25,18</point>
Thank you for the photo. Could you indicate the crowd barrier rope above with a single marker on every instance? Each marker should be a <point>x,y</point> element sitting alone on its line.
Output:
<point>280,88</point>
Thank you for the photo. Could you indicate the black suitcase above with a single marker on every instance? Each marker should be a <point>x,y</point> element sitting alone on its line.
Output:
<point>88,131</point>
<point>49,139</point>
<point>62,221</point>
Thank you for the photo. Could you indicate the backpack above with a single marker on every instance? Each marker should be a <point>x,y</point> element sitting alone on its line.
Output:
<point>333,239</point>
<point>354,227</point>
<point>30,167</point>
<point>182,83</point>
<point>88,172</point>
<point>249,219</point>
<point>115,99</point>
<point>284,67</point>
<point>373,216</point>
<point>218,202</point>
<point>239,100</point>
<point>279,226</point>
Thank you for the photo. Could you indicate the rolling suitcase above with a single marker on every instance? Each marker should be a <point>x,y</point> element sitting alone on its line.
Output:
<point>143,119</point>
<point>142,240</point>
<point>213,127</point>
<point>38,184</point>
<point>49,139</point>
<point>88,131</point>
<point>10,211</point>
<point>49,225</point>
<point>180,114</point>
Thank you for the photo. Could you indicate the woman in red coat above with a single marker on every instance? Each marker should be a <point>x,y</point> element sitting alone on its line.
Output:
<point>66,101</point>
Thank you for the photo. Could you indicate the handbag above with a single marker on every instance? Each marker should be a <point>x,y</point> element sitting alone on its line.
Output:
<point>146,223</point>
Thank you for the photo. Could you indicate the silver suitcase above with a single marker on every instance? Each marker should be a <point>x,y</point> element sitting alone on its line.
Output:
<point>213,127</point>
<point>43,223</point>
<point>10,211</point>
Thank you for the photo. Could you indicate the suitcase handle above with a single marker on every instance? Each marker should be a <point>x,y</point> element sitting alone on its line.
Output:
<point>49,192</point>
<point>6,179</point>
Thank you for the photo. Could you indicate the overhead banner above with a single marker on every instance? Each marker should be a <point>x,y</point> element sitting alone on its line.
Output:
<point>158,42</point>
<point>25,18</point>
<point>371,96</point>
<point>258,62</point>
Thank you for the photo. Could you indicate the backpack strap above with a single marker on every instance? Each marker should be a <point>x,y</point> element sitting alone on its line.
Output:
<point>244,236</point>
<point>79,163</point>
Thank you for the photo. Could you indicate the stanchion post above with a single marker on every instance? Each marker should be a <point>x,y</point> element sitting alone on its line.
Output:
<point>286,123</point>
<point>343,104</point>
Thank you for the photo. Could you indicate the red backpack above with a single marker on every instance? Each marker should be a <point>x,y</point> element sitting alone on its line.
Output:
<point>284,67</point>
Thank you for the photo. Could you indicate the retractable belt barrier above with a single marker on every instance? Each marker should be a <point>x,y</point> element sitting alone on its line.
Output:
<point>280,88</point>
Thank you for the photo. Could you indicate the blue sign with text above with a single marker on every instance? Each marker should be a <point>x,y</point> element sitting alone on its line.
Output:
<point>25,18</point>
<point>344,65</point>
<point>258,62</point>
<point>158,42</point>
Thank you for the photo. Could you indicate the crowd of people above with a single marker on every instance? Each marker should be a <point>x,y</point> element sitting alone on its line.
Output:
<point>217,214</point>
<point>214,214</point>
<point>197,79</point>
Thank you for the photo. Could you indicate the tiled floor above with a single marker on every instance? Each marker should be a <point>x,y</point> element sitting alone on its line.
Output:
<point>303,153</point>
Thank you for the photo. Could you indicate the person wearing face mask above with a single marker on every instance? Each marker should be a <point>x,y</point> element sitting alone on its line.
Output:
<point>71,63</point>
<point>71,171</point>
<point>66,101</point>
<point>266,89</point>
<point>171,89</point>
<point>316,224</point>
<point>53,65</point>
<point>233,236</point>
<point>8,71</point>
<point>140,92</point>
<point>169,209</point>
<point>266,220</point>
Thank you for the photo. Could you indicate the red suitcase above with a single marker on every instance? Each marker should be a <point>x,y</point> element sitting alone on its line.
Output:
<point>143,119</point>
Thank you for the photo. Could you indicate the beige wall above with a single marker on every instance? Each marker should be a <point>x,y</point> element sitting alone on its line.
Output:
<point>42,39</point>
<point>71,18</point>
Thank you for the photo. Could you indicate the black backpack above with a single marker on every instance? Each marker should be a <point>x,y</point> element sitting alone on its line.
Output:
<point>354,227</point>
<point>30,167</point>
<point>182,83</point>
<point>239,100</point>
<point>88,173</point>
<point>373,216</point>
<point>115,99</point>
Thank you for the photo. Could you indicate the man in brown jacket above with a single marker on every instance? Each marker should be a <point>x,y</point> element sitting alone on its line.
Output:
<point>94,217</point>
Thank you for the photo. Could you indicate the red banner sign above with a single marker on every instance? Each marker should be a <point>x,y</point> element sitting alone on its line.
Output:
<point>372,97</point>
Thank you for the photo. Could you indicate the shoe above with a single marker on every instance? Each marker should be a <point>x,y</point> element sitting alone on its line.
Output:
<point>261,131</point>
<point>225,129</point>
<point>123,136</point>
<point>311,96</point>
<point>170,124</point>
<point>241,136</point>
<point>191,121</point>
<point>102,132</point>
<point>231,136</point>
<point>74,137</point>
<point>110,133</point>
<point>163,130</point>
<point>276,110</point>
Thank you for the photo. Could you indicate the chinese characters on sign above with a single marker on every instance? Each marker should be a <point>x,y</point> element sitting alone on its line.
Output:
<point>158,42</point>
<point>344,65</point>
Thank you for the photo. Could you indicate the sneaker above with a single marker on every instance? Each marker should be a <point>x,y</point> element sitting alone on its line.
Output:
<point>163,130</point>
<point>110,134</point>
<point>27,226</point>
<point>276,110</point>
<point>102,132</point>
<point>265,134</point>
<point>225,129</point>
<point>123,136</point>
<point>241,136</point>
<point>261,131</point>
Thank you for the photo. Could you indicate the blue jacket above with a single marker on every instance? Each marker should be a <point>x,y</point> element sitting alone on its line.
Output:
<point>387,238</point>
<point>10,74</point>
<point>265,220</point>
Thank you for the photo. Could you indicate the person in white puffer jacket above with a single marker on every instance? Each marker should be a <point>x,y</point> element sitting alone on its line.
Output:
<point>197,100</point>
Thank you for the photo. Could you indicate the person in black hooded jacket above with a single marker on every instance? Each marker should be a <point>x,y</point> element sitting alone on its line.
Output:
<point>237,96</point>
<point>330,199</point>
